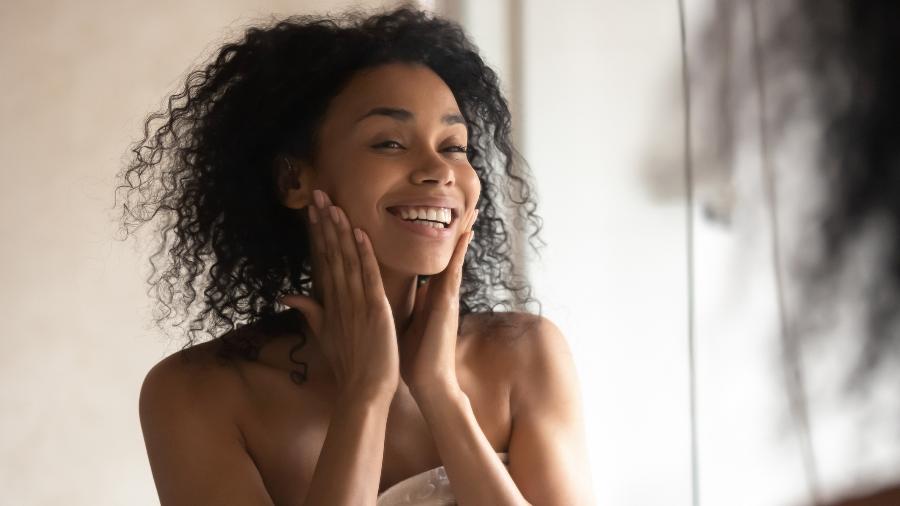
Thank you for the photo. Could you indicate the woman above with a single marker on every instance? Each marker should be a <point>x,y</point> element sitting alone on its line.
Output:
<point>330,165</point>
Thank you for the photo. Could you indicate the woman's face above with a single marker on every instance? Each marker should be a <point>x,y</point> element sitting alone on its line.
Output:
<point>394,136</point>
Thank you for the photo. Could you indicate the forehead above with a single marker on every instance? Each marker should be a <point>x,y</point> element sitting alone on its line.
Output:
<point>414,87</point>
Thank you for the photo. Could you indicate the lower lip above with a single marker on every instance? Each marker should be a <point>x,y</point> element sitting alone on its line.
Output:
<point>425,230</point>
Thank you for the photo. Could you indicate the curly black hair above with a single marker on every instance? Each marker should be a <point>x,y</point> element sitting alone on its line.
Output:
<point>207,170</point>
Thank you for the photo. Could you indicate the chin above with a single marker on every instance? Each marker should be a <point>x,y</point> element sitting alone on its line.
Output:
<point>414,265</point>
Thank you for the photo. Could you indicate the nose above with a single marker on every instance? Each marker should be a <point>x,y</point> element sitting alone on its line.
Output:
<point>434,169</point>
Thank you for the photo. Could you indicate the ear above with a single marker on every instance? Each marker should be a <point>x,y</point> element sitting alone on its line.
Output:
<point>294,181</point>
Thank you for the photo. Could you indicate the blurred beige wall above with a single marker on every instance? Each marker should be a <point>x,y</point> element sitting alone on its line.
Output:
<point>77,79</point>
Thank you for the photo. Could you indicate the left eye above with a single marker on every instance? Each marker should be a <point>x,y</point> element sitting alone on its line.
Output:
<point>387,143</point>
<point>462,149</point>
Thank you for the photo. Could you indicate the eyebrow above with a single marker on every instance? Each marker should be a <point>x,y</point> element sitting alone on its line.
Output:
<point>404,115</point>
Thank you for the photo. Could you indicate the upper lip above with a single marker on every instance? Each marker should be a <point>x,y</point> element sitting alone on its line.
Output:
<point>448,202</point>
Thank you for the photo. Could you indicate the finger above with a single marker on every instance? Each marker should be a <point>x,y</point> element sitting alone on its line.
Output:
<point>321,279</point>
<point>311,310</point>
<point>371,273</point>
<point>470,220</point>
<point>460,252</point>
<point>459,257</point>
<point>322,250</point>
<point>451,278</point>
<point>336,261</point>
<point>353,282</point>
<point>317,250</point>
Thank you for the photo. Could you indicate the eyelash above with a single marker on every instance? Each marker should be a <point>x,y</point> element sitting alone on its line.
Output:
<point>465,149</point>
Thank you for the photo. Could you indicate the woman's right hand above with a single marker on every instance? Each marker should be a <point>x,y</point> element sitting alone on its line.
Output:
<point>354,324</point>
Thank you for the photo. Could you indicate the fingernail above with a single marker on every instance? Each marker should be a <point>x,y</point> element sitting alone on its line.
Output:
<point>334,214</point>
<point>320,199</point>
<point>471,236</point>
<point>313,215</point>
<point>358,235</point>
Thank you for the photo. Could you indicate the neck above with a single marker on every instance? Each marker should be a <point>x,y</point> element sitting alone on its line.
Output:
<point>400,289</point>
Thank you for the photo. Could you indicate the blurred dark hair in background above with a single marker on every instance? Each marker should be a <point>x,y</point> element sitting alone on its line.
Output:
<point>837,61</point>
<point>834,64</point>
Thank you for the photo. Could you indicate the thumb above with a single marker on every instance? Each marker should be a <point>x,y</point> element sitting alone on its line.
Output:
<point>311,309</point>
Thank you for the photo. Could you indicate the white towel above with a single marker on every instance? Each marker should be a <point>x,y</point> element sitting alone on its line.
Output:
<point>428,488</point>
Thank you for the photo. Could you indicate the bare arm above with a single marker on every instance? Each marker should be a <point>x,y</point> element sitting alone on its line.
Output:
<point>548,447</point>
<point>349,467</point>
<point>197,454</point>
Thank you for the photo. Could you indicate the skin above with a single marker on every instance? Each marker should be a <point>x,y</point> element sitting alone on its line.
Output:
<point>362,175</point>
<point>243,433</point>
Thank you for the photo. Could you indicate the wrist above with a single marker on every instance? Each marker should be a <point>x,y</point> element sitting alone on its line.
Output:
<point>442,404</point>
<point>366,395</point>
<point>440,390</point>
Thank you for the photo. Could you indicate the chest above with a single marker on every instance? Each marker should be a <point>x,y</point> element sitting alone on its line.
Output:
<point>285,425</point>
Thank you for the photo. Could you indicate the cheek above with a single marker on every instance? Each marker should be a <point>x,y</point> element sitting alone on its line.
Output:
<point>472,186</point>
<point>361,203</point>
<point>360,211</point>
<point>355,190</point>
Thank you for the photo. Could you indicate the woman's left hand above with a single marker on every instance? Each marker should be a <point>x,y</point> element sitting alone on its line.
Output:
<point>428,345</point>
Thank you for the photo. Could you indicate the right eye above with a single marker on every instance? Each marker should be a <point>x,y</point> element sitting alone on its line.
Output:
<point>386,144</point>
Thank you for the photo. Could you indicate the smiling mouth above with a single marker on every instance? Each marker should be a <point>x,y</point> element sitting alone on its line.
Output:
<point>427,228</point>
<point>424,222</point>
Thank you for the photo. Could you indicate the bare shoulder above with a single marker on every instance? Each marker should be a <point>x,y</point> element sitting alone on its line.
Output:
<point>197,452</point>
<point>534,352</point>
<point>195,375</point>
<point>507,328</point>
<point>548,442</point>
<point>513,331</point>
<point>504,343</point>
<point>214,373</point>
<point>191,384</point>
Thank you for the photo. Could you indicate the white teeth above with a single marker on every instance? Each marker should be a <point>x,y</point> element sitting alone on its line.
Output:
<point>426,213</point>
<point>430,224</point>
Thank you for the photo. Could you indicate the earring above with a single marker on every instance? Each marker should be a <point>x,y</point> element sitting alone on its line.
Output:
<point>294,183</point>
